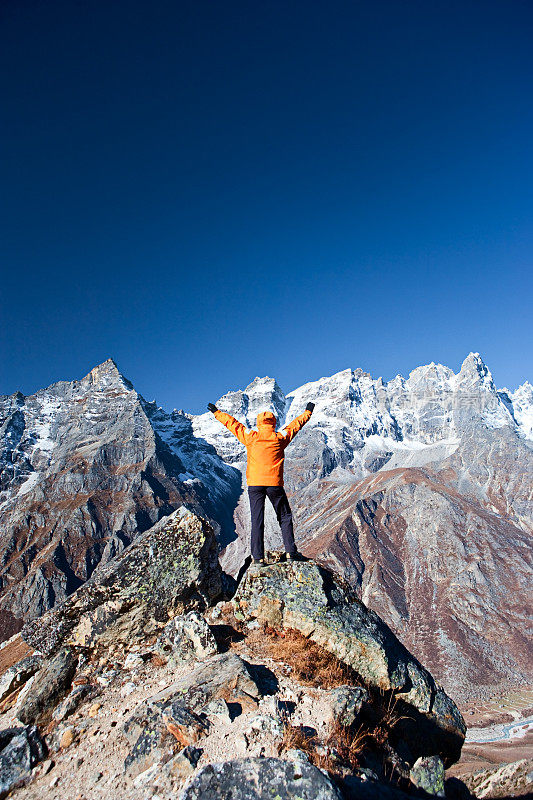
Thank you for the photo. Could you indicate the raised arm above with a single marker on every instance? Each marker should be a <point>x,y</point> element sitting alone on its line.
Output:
<point>233,425</point>
<point>297,424</point>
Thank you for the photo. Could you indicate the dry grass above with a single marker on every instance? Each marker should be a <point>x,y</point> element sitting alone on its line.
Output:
<point>348,744</point>
<point>386,705</point>
<point>342,748</point>
<point>310,663</point>
<point>296,738</point>
<point>345,747</point>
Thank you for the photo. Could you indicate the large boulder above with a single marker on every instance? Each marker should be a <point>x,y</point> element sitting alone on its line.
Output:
<point>20,750</point>
<point>172,568</point>
<point>309,599</point>
<point>260,779</point>
<point>50,685</point>
<point>504,780</point>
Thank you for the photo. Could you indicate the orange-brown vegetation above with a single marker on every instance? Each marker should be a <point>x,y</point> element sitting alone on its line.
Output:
<point>311,664</point>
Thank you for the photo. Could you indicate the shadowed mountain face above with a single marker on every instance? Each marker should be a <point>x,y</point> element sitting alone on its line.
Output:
<point>418,491</point>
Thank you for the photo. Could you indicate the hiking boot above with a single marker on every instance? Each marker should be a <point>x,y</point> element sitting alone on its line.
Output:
<point>296,556</point>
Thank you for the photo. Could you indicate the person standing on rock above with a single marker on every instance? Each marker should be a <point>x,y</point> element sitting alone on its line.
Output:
<point>265,450</point>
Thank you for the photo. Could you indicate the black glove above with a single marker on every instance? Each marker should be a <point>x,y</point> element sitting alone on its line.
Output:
<point>310,407</point>
<point>211,407</point>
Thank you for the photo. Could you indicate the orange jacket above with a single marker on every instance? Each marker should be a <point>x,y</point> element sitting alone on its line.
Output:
<point>265,447</point>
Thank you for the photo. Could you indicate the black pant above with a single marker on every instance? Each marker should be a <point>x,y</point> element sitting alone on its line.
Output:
<point>278,498</point>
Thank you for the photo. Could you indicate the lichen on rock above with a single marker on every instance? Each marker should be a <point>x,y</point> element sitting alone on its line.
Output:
<point>169,569</point>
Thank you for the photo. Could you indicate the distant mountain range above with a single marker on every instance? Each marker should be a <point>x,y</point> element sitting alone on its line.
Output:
<point>418,491</point>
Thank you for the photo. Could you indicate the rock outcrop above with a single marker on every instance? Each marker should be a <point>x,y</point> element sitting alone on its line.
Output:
<point>307,598</point>
<point>182,708</point>
<point>175,717</point>
<point>49,685</point>
<point>171,568</point>
<point>504,780</point>
<point>260,779</point>
<point>21,748</point>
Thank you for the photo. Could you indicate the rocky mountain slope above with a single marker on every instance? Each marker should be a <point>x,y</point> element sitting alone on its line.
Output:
<point>82,472</point>
<point>144,684</point>
<point>418,491</point>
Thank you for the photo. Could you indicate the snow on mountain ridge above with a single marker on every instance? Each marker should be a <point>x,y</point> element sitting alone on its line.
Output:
<point>394,483</point>
<point>366,425</point>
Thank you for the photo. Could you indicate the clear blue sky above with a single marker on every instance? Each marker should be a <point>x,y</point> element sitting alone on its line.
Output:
<point>210,191</point>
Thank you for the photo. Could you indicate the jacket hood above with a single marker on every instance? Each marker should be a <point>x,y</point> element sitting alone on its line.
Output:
<point>266,418</point>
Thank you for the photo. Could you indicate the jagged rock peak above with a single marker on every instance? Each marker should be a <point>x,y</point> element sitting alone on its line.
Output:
<point>474,368</point>
<point>15,399</point>
<point>260,395</point>
<point>263,385</point>
<point>525,390</point>
<point>433,372</point>
<point>106,374</point>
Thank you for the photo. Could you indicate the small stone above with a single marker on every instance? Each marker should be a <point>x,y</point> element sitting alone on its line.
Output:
<point>264,723</point>
<point>46,766</point>
<point>67,737</point>
<point>127,689</point>
<point>147,776</point>
<point>296,755</point>
<point>186,638</point>
<point>95,777</point>
<point>54,781</point>
<point>428,774</point>
<point>218,709</point>
<point>216,611</point>
<point>148,738</point>
<point>107,677</point>
<point>94,709</point>
<point>71,702</point>
<point>240,744</point>
<point>133,661</point>
<point>184,725</point>
<point>344,704</point>
<point>184,763</point>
